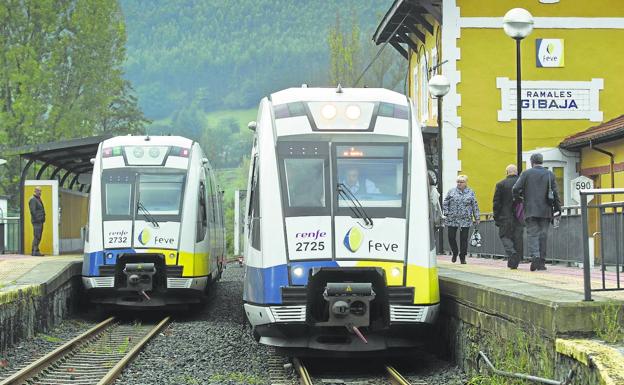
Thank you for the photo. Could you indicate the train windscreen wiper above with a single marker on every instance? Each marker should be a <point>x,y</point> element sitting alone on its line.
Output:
<point>147,215</point>
<point>356,207</point>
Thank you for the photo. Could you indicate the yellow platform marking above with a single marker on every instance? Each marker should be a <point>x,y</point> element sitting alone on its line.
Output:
<point>607,360</point>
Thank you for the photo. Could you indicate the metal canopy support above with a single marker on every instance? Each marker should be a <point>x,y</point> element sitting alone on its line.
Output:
<point>73,181</point>
<point>410,28</point>
<point>41,170</point>
<point>431,9</point>
<point>407,40</point>
<point>400,49</point>
<point>407,15</point>
<point>417,18</point>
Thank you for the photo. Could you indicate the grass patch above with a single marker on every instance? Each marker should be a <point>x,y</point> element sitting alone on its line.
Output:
<point>49,338</point>
<point>608,323</point>
<point>522,352</point>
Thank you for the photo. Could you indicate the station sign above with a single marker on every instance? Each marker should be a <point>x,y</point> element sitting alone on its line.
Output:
<point>578,184</point>
<point>551,99</point>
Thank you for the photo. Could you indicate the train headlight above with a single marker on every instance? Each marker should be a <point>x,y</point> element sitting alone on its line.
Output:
<point>353,112</point>
<point>172,256</point>
<point>154,152</point>
<point>329,111</point>
<point>395,271</point>
<point>298,271</point>
<point>109,255</point>
<point>138,152</point>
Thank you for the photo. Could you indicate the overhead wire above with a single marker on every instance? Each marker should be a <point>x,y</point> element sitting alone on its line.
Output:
<point>380,50</point>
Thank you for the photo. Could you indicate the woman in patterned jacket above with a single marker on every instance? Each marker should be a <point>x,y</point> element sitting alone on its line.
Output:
<point>460,207</point>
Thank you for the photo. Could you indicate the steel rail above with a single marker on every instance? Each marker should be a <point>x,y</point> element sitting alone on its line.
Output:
<point>36,367</point>
<point>395,376</point>
<point>566,381</point>
<point>304,376</point>
<point>118,368</point>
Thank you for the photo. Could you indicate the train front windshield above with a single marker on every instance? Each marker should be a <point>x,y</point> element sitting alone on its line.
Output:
<point>312,174</point>
<point>373,174</point>
<point>131,193</point>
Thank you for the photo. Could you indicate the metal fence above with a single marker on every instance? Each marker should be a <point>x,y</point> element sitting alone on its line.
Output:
<point>564,243</point>
<point>611,220</point>
<point>9,235</point>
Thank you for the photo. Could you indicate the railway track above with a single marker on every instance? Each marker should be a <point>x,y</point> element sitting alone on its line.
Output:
<point>95,357</point>
<point>390,377</point>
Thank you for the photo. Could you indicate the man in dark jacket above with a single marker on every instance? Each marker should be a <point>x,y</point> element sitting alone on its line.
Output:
<point>37,218</point>
<point>538,189</point>
<point>510,230</point>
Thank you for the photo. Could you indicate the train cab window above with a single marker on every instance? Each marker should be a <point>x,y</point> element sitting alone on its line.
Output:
<point>118,199</point>
<point>375,175</point>
<point>305,182</point>
<point>118,194</point>
<point>161,194</point>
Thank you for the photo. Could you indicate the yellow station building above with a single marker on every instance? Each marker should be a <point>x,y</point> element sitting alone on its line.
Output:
<point>572,79</point>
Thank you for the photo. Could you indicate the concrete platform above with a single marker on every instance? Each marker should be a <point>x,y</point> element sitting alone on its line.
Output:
<point>36,293</point>
<point>486,306</point>
<point>20,272</point>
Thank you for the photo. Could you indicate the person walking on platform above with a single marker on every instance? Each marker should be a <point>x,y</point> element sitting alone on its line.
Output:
<point>37,218</point>
<point>510,229</point>
<point>537,188</point>
<point>460,207</point>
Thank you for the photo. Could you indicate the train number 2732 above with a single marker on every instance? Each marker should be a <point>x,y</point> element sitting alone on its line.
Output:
<point>117,239</point>
<point>310,246</point>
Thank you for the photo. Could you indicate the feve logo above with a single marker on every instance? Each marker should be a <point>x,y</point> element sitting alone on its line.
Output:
<point>353,239</point>
<point>144,236</point>
<point>549,52</point>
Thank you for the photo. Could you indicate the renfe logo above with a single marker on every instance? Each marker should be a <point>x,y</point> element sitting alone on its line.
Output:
<point>311,235</point>
<point>353,239</point>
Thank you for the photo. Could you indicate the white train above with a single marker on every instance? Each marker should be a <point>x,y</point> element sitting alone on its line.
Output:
<point>339,251</point>
<point>156,233</point>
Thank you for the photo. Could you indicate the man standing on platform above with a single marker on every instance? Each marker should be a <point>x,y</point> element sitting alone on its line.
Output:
<point>538,189</point>
<point>37,218</point>
<point>510,230</point>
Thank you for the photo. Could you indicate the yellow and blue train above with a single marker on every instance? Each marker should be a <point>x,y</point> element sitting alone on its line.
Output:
<point>339,249</point>
<point>155,234</point>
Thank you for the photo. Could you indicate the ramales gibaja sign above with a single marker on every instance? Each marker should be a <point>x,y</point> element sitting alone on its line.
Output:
<point>551,99</point>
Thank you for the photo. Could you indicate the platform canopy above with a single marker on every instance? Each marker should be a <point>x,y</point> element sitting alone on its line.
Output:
<point>64,158</point>
<point>399,27</point>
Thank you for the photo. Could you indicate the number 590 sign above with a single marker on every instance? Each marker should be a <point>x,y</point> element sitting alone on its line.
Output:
<point>581,183</point>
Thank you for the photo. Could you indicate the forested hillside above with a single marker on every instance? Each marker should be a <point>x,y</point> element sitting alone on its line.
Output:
<point>214,54</point>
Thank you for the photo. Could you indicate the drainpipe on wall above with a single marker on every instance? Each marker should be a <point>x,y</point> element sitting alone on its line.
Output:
<point>611,164</point>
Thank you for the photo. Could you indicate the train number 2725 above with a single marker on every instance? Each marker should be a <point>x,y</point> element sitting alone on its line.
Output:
<point>310,246</point>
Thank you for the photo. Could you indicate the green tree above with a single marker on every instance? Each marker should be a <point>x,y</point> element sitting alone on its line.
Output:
<point>344,49</point>
<point>62,73</point>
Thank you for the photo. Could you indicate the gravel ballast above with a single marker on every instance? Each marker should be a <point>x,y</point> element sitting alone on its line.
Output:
<point>27,351</point>
<point>212,346</point>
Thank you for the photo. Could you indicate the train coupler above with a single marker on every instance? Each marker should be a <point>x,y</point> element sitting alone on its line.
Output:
<point>139,276</point>
<point>349,304</point>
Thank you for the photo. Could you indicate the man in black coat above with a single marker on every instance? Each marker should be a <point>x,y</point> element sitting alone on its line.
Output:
<point>37,218</point>
<point>510,230</point>
<point>538,189</point>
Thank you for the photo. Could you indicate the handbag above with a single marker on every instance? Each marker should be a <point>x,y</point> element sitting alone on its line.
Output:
<point>475,238</point>
<point>550,195</point>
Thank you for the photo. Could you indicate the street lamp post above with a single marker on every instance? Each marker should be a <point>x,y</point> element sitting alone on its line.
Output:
<point>438,87</point>
<point>518,24</point>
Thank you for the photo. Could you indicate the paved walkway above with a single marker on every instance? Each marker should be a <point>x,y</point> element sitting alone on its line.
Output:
<point>21,271</point>
<point>557,276</point>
